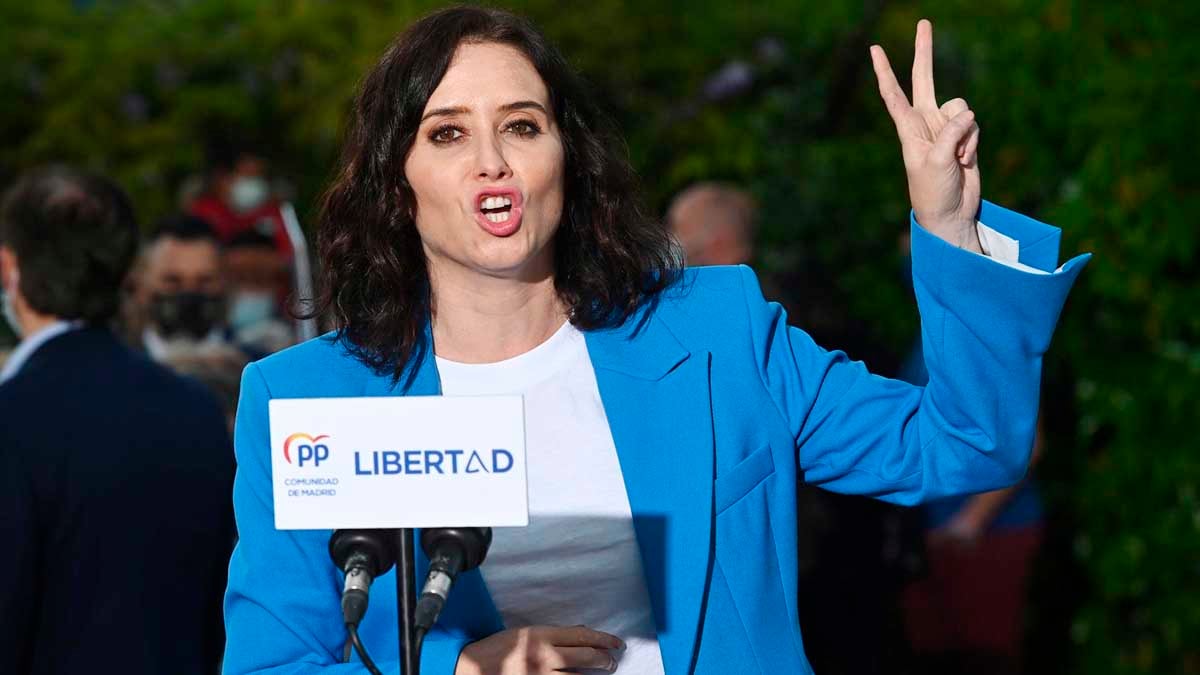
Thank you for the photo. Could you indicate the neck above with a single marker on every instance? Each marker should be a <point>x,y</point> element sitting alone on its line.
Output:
<point>32,323</point>
<point>484,319</point>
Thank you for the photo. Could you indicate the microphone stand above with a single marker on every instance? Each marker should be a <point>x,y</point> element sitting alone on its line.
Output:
<point>406,601</point>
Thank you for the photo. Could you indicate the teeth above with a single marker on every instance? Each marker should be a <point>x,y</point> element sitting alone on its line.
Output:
<point>495,202</point>
<point>496,217</point>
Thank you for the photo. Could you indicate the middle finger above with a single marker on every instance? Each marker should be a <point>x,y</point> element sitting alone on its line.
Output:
<point>924,96</point>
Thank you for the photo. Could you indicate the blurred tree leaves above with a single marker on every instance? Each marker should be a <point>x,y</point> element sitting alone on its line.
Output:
<point>1088,112</point>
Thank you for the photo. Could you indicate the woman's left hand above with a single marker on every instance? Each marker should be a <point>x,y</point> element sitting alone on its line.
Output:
<point>939,145</point>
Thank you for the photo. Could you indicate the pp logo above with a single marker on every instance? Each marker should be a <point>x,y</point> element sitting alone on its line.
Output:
<point>309,449</point>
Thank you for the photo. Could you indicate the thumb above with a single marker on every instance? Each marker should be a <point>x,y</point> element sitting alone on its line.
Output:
<point>945,149</point>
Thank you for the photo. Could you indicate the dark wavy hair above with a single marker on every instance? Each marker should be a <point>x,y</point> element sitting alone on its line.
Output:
<point>610,256</point>
<point>75,237</point>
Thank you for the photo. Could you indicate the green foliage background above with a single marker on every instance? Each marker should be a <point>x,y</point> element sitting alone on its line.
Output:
<point>1089,112</point>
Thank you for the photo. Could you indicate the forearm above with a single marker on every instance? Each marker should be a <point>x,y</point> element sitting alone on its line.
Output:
<point>981,510</point>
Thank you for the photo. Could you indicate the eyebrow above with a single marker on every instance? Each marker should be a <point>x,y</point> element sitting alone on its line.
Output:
<point>507,107</point>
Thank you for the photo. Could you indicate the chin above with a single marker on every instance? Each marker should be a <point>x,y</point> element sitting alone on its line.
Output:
<point>509,259</point>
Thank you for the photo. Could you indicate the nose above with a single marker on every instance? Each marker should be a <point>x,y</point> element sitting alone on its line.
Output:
<point>490,164</point>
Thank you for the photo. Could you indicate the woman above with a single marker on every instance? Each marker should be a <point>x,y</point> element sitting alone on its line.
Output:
<point>483,237</point>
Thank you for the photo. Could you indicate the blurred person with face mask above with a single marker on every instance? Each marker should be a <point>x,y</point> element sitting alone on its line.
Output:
<point>238,197</point>
<point>256,275</point>
<point>181,290</point>
<point>179,307</point>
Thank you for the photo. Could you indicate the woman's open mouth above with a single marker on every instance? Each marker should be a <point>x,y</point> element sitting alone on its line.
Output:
<point>499,211</point>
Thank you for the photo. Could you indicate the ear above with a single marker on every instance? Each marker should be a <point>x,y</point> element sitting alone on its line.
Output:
<point>9,270</point>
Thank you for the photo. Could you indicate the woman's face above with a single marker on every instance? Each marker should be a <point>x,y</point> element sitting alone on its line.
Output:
<point>487,168</point>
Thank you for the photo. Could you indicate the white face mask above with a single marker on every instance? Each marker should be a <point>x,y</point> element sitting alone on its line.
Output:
<point>9,308</point>
<point>248,193</point>
<point>249,308</point>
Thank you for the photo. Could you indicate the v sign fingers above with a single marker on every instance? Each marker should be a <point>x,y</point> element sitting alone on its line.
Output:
<point>938,146</point>
<point>910,128</point>
<point>924,97</point>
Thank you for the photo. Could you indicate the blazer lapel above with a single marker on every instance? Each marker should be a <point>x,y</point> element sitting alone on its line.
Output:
<point>656,397</point>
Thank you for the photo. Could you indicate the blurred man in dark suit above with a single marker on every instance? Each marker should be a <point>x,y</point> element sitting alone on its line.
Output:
<point>115,474</point>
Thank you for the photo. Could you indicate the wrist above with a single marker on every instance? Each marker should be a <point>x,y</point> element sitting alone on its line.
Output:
<point>969,238</point>
<point>956,231</point>
<point>962,233</point>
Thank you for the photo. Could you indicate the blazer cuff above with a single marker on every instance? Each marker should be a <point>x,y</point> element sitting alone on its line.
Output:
<point>991,299</point>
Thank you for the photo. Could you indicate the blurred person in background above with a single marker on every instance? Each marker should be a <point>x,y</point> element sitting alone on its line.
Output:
<point>114,472</point>
<point>258,282</point>
<point>238,196</point>
<point>714,222</point>
<point>853,551</point>
<point>179,316</point>
<point>966,615</point>
<point>180,290</point>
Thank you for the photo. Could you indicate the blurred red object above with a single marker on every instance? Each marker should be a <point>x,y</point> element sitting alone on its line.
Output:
<point>264,219</point>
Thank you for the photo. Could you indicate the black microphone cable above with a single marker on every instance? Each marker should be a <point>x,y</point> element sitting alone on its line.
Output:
<point>362,651</point>
<point>363,555</point>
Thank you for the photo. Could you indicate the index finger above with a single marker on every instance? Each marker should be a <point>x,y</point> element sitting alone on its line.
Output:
<point>922,74</point>
<point>582,636</point>
<point>889,88</point>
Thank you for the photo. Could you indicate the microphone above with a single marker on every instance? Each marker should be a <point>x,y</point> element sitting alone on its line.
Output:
<point>363,555</point>
<point>451,550</point>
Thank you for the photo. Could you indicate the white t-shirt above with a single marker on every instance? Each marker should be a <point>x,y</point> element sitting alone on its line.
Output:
<point>578,560</point>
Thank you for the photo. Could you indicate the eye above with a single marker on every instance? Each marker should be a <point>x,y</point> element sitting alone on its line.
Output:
<point>446,134</point>
<point>524,128</point>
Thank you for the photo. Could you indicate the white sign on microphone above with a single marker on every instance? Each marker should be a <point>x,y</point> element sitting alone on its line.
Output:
<point>400,461</point>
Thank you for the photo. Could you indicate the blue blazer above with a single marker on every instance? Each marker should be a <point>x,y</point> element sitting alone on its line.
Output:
<point>717,407</point>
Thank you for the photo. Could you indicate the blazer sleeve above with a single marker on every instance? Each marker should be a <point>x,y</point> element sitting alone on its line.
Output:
<point>283,603</point>
<point>984,330</point>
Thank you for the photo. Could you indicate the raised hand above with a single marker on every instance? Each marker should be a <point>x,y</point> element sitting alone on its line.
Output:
<point>939,146</point>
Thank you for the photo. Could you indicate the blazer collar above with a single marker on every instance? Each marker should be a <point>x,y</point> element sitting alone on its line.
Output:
<point>642,348</point>
<point>32,343</point>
